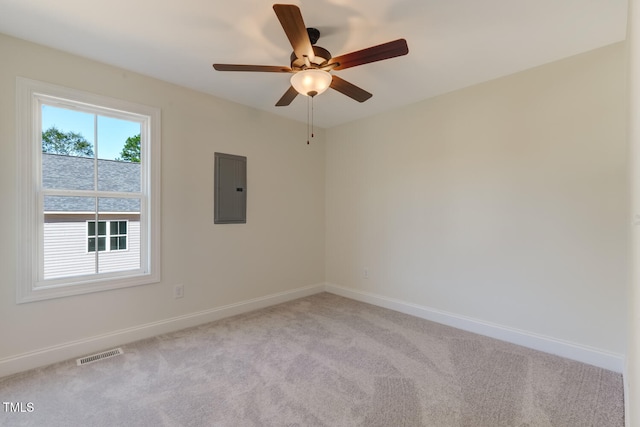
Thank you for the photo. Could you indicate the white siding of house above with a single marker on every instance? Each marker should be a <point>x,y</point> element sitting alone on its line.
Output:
<point>65,251</point>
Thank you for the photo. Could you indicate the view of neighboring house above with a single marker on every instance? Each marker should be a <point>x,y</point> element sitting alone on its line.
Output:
<point>73,244</point>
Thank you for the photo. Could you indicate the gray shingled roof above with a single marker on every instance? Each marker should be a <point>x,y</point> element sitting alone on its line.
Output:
<point>76,173</point>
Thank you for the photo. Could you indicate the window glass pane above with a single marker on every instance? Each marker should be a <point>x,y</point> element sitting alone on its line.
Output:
<point>125,255</point>
<point>91,228</point>
<point>119,205</point>
<point>64,240</point>
<point>119,151</point>
<point>102,228</point>
<point>124,234</point>
<point>92,244</point>
<point>67,149</point>
<point>69,204</point>
<point>102,243</point>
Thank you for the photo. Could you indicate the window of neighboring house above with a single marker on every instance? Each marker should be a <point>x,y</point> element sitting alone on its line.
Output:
<point>110,235</point>
<point>117,236</point>
<point>89,199</point>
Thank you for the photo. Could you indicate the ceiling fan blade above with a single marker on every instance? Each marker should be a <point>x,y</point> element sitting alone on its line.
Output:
<point>349,89</point>
<point>287,98</point>
<point>260,68</point>
<point>372,54</point>
<point>293,25</point>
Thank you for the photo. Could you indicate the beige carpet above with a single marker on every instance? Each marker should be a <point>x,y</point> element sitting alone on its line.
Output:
<point>319,361</point>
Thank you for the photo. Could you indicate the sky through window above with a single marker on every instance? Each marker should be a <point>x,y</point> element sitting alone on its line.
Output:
<point>112,132</point>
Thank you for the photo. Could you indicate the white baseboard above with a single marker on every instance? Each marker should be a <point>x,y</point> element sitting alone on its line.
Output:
<point>593,356</point>
<point>73,349</point>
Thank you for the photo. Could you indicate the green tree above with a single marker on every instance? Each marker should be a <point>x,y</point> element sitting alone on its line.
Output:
<point>54,141</point>
<point>131,150</point>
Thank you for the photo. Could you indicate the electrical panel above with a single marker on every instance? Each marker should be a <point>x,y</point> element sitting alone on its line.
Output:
<point>230,189</point>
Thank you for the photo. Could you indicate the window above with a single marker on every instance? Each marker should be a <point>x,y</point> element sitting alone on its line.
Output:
<point>115,240</point>
<point>117,236</point>
<point>89,200</point>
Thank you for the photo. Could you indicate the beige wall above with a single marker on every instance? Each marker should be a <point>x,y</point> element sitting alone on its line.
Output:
<point>505,202</point>
<point>281,248</point>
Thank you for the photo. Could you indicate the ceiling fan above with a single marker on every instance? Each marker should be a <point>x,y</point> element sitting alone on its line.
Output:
<point>311,64</point>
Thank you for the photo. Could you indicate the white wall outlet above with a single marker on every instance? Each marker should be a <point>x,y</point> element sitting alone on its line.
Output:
<point>365,273</point>
<point>178,291</point>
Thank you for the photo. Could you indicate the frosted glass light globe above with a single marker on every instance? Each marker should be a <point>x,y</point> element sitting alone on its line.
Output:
<point>311,82</point>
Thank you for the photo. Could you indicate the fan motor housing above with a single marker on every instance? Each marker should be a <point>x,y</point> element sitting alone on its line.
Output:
<point>314,34</point>
<point>322,55</point>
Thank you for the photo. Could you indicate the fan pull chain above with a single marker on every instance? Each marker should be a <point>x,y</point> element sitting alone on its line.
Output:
<point>308,113</point>
<point>312,116</point>
<point>309,118</point>
<point>311,94</point>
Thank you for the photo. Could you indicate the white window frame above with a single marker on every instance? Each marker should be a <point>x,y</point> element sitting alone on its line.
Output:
<point>31,286</point>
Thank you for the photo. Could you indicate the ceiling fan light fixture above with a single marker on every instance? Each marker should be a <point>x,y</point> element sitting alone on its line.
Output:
<point>311,82</point>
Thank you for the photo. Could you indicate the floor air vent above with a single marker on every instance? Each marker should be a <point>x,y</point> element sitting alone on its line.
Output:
<point>99,356</point>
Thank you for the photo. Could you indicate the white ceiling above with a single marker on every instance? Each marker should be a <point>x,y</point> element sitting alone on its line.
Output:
<point>452,43</point>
